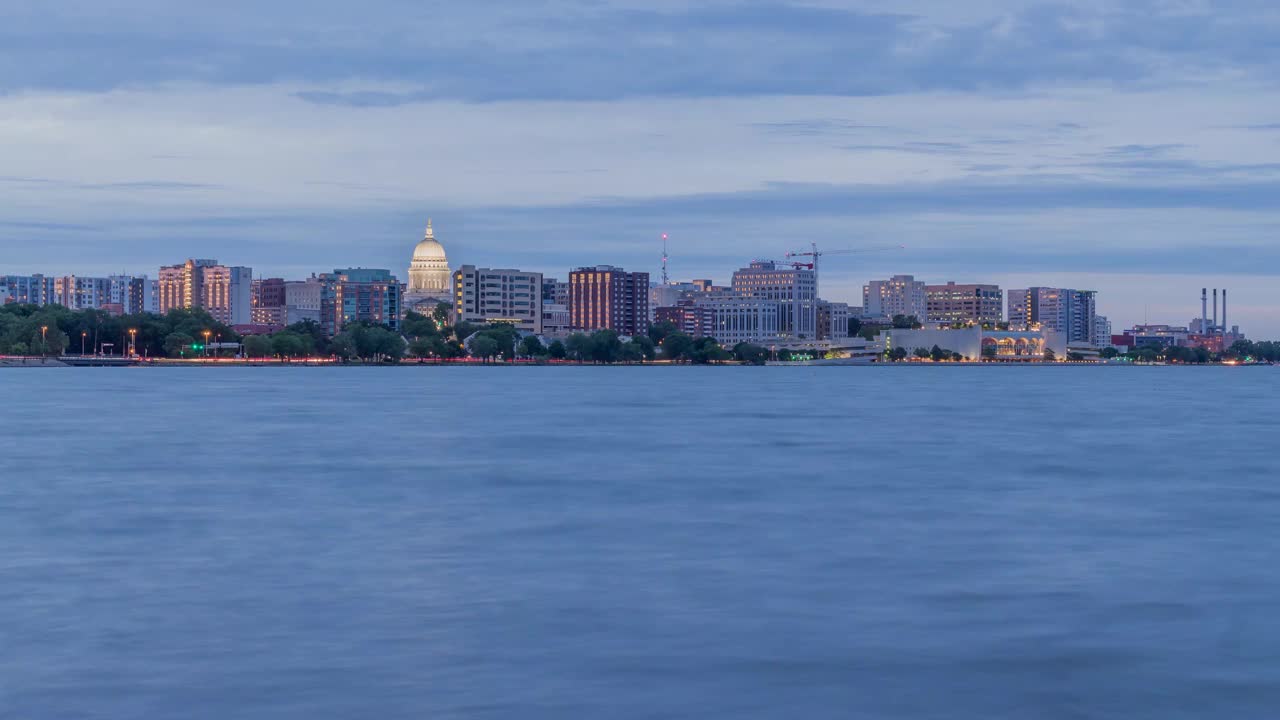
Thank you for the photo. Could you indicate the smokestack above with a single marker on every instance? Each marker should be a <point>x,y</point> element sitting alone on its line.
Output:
<point>1224,311</point>
<point>1204,311</point>
<point>1215,308</point>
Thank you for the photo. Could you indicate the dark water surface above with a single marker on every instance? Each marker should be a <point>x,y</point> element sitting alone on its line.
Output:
<point>640,543</point>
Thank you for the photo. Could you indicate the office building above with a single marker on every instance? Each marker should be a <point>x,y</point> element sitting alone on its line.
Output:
<point>968,304</point>
<point>359,295</point>
<point>794,289</point>
<point>736,317</point>
<point>302,300</point>
<point>899,295</point>
<point>498,296</point>
<point>27,289</point>
<point>555,292</point>
<point>689,318</point>
<point>607,297</point>
<point>269,306</point>
<point>1071,313</point>
<point>833,320</point>
<point>556,321</point>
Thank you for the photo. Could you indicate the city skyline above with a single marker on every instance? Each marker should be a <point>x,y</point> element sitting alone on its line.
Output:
<point>1135,151</point>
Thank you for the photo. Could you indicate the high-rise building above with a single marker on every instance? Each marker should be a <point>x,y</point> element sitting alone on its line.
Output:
<point>899,295</point>
<point>971,304</point>
<point>737,317</point>
<point>794,289</point>
<point>1068,312</point>
<point>554,292</point>
<point>1101,331</point>
<point>497,295</point>
<point>269,306</point>
<point>131,293</point>
<point>359,295</point>
<point>833,320</point>
<point>302,300</point>
<point>689,317</point>
<point>227,294</point>
<point>607,297</point>
<point>81,293</point>
<point>28,289</point>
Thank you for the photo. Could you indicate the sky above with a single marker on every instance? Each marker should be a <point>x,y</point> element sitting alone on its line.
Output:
<point>1128,147</point>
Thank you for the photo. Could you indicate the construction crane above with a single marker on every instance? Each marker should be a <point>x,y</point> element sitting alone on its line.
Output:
<point>814,254</point>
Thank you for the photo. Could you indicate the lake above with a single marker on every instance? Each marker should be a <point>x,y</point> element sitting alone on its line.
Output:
<point>590,542</point>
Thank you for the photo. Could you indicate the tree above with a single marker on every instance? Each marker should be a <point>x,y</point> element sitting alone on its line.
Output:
<point>288,345</point>
<point>605,346</point>
<point>578,347</point>
<point>556,350</point>
<point>647,349</point>
<point>343,346</point>
<point>1075,357</point>
<point>630,353</point>
<point>484,347</point>
<point>440,313</point>
<point>677,347</point>
<point>706,350</point>
<point>750,354</point>
<point>1109,353</point>
<point>855,326</point>
<point>937,354</point>
<point>257,346</point>
<point>176,344</point>
<point>898,354</point>
<point>531,346</point>
<point>906,322</point>
<point>659,331</point>
<point>921,353</point>
<point>1050,355</point>
<point>956,357</point>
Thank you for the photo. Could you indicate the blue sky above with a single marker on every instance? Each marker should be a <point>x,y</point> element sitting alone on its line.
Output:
<point>1129,147</point>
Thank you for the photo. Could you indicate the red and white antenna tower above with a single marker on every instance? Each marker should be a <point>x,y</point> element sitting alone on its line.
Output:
<point>664,259</point>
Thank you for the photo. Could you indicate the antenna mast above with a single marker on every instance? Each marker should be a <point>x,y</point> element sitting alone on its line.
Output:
<point>664,259</point>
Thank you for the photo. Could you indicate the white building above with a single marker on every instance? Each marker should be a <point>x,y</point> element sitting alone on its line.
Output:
<point>1005,345</point>
<point>795,290</point>
<point>499,295</point>
<point>302,300</point>
<point>429,276</point>
<point>899,295</point>
<point>743,318</point>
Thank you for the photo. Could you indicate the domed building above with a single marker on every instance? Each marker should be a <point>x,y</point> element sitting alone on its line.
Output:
<point>429,269</point>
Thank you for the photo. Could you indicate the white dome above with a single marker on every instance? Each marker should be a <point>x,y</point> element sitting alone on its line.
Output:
<point>429,269</point>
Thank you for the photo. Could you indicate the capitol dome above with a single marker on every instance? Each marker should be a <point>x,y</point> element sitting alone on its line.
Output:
<point>429,269</point>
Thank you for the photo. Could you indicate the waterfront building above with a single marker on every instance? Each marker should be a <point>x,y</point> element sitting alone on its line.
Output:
<point>899,295</point>
<point>833,320</point>
<point>608,297</point>
<point>556,320</point>
<point>737,317</point>
<point>269,306</point>
<point>223,291</point>
<point>969,342</point>
<point>795,289</point>
<point>554,292</point>
<point>1160,336</point>
<point>81,293</point>
<point>970,304</point>
<point>302,300</point>
<point>359,295</point>
<point>1071,313</point>
<point>691,318</point>
<point>27,289</point>
<point>1101,331</point>
<point>498,296</point>
<point>429,275</point>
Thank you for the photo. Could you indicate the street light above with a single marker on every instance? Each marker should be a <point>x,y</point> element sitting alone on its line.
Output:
<point>207,333</point>
<point>83,334</point>
<point>133,341</point>
<point>44,342</point>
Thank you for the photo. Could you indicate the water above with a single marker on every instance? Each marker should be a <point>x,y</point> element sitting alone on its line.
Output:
<point>639,543</point>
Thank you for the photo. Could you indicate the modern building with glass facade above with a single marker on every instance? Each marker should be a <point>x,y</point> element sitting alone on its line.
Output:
<point>359,295</point>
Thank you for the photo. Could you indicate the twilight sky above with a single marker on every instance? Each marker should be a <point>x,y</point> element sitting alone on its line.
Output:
<point>1129,147</point>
